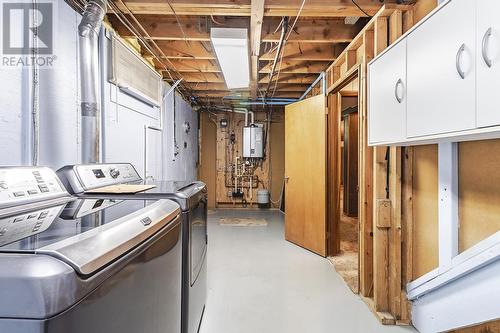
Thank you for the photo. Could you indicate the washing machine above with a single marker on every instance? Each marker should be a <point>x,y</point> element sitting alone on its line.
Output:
<point>85,265</point>
<point>90,181</point>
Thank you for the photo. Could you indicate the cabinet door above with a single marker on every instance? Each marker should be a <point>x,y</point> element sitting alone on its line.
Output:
<point>387,96</point>
<point>488,63</point>
<point>441,72</point>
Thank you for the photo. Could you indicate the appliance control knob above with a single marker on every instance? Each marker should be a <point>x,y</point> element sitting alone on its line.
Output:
<point>114,173</point>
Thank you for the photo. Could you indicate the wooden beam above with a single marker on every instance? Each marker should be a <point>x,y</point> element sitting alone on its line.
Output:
<point>200,86</point>
<point>309,30</point>
<point>381,235</point>
<point>297,67</point>
<point>194,28</point>
<point>203,77</point>
<point>193,65</point>
<point>256,20</point>
<point>203,86</point>
<point>318,8</point>
<point>381,27</point>
<point>221,94</point>
<point>292,78</point>
<point>366,176</point>
<point>307,52</point>
<point>396,25</point>
<point>197,28</point>
<point>187,50</point>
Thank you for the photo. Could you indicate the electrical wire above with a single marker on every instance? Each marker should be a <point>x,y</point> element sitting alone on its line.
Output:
<point>361,9</point>
<point>284,44</point>
<point>283,47</point>
<point>186,40</point>
<point>296,19</point>
<point>278,75</point>
<point>215,21</point>
<point>178,22</point>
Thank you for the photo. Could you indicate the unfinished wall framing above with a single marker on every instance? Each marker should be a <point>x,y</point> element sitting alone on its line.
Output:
<point>385,176</point>
<point>398,186</point>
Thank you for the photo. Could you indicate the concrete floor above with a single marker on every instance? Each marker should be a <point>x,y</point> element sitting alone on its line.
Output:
<point>260,283</point>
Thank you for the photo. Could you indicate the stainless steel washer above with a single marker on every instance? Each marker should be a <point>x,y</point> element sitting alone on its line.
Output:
<point>80,180</point>
<point>85,265</point>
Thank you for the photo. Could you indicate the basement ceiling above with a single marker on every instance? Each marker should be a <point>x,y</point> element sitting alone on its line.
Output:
<point>178,36</point>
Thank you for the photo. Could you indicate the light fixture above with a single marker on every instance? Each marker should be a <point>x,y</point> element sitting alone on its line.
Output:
<point>231,48</point>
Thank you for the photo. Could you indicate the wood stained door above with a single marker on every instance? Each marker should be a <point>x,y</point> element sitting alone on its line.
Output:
<point>305,171</point>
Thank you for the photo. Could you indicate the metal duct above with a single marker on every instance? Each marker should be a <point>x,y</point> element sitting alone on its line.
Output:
<point>88,31</point>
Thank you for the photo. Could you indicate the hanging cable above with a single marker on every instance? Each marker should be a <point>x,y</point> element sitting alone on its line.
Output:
<point>281,47</point>
<point>178,22</point>
<point>361,9</point>
<point>296,19</point>
<point>215,21</point>
<point>186,40</point>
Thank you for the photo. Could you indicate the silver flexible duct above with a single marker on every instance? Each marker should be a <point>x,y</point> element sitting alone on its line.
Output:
<point>88,31</point>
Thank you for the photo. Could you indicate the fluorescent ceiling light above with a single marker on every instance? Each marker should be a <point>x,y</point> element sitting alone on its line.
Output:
<point>231,48</point>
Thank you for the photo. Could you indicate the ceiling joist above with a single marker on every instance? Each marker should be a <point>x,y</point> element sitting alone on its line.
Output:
<point>313,8</point>
<point>182,33</point>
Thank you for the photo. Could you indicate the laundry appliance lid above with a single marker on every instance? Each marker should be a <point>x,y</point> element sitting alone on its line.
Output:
<point>87,234</point>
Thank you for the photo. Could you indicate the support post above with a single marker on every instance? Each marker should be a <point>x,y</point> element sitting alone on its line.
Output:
<point>448,204</point>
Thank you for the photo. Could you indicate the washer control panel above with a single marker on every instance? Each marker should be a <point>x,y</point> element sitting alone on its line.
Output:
<point>28,184</point>
<point>93,176</point>
<point>14,228</point>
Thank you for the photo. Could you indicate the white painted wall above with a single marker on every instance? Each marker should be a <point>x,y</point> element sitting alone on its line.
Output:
<point>59,103</point>
<point>180,166</point>
<point>125,120</point>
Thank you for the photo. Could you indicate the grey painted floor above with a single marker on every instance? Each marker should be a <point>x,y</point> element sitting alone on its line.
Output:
<point>260,283</point>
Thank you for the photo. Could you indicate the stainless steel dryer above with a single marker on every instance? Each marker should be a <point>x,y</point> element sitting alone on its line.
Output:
<point>80,180</point>
<point>85,265</point>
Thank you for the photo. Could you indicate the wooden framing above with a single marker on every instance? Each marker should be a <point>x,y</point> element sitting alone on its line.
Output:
<point>180,33</point>
<point>318,8</point>
<point>385,176</point>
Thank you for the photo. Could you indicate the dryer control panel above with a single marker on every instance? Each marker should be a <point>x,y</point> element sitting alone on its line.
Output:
<point>84,177</point>
<point>23,185</point>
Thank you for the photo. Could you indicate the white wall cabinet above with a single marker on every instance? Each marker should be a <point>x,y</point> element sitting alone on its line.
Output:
<point>452,64</point>
<point>488,63</point>
<point>441,72</point>
<point>388,84</point>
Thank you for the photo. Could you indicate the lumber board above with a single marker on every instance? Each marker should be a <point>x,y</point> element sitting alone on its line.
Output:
<point>366,176</point>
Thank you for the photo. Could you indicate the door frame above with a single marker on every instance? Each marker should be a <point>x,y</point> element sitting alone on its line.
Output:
<point>334,159</point>
<point>365,173</point>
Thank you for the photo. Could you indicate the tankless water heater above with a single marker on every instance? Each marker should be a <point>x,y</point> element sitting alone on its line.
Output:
<point>253,142</point>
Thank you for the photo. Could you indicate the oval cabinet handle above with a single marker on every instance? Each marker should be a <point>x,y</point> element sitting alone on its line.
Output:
<point>486,37</point>
<point>398,98</point>
<point>459,57</point>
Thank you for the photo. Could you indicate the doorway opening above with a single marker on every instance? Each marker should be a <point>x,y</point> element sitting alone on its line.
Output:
<point>346,259</point>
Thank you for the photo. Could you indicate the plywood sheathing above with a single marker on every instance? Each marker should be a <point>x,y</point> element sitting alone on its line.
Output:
<point>270,173</point>
<point>479,188</point>
<point>425,209</point>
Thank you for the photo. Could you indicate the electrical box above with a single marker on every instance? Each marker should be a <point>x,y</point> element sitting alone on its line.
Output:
<point>253,142</point>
